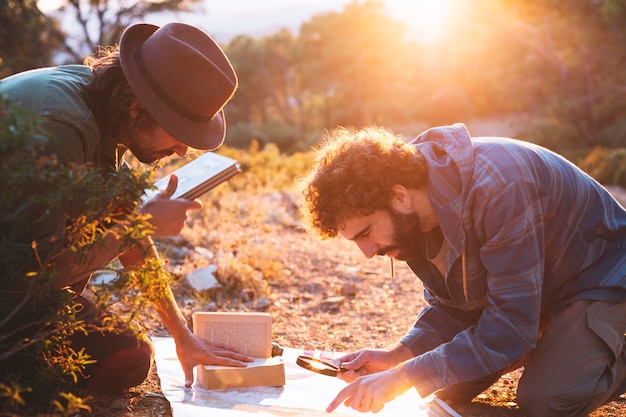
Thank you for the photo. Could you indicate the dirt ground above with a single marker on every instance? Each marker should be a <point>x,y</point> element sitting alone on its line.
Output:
<point>322,294</point>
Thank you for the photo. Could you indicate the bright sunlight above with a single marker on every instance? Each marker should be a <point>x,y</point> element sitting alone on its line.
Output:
<point>46,6</point>
<point>426,19</point>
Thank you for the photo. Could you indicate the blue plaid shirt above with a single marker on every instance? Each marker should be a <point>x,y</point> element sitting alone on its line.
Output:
<point>528,232</point>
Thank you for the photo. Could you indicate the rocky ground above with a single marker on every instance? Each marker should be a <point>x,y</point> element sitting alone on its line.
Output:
<point>320,294</point>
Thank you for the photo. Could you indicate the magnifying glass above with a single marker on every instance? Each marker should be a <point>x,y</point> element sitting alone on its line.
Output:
<point>319,366</point>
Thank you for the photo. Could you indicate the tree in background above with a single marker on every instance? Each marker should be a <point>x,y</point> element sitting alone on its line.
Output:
<point>269,96</point>
<point>101,22</point>
<point>557,66</point>
<point>580,46</point>
<point>559,63</point>
<point>349,68</point>
<point>357,64</point>
<point>28,39</point>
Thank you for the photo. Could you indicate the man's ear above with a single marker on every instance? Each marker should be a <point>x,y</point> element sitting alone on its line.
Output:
<point>135,105</point>
<point>400,200</point>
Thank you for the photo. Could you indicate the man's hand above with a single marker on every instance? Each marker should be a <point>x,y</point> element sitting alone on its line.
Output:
<point>192,351</point>
<point>372,392</point>
<point>363,362</point>
<point>369,361</point>
<point>168,216</point>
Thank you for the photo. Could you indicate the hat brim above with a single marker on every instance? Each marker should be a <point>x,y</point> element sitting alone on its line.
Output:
<point>198,135</point>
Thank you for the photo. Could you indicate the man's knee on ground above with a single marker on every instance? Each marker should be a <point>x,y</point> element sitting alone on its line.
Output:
<point>538,400</point>
<point>123,369</point>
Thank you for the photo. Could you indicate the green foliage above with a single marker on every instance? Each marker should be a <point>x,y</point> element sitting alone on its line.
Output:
<point>38,369</point>
<point>27,37</point>
<point>614,135</point>
<point>608,166</point>
<point>554,133</point>
<point>447,106</point>
<point>357,61</point>
<point>242,135</point>
<point>267,168</point>
<point>287,137</point>
<point>357,67</point>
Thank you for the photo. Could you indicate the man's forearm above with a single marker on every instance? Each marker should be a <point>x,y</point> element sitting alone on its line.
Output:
<point>171,315</point>
<point>165,304</point>
<point>74,267</point>
<point>400,353</point>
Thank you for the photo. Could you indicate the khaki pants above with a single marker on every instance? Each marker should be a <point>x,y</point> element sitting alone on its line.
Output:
<point>578,365</point>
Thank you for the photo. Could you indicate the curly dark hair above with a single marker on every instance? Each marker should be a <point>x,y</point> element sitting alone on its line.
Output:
<point>110,95</point>
<point>353,176</point>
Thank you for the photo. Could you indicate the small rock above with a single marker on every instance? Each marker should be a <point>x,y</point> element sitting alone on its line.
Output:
<point>211,307</point>
<point>262,304</point>
<point>348,290</point>
<point>103,277</point>
<point>203,278</point>
<point>332,303</point>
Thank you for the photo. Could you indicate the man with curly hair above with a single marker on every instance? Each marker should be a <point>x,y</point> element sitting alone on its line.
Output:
<point>522,256</point>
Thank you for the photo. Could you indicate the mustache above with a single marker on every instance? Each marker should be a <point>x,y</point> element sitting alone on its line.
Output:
<point>385,250</point>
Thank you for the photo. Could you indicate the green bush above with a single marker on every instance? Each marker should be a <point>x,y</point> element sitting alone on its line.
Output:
<point>242,135</point>
<point>38,370</point>
<point>607,166</point>
<point>553,133</point>
<point>613,136</point>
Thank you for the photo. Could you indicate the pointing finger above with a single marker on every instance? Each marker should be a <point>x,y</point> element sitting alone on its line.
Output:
<point>188,371</point>
<point>344,394</point>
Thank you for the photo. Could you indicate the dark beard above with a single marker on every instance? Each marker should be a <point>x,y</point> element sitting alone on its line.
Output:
<point>134,138</point>
<point>140,152</point>
<point>407,234</point>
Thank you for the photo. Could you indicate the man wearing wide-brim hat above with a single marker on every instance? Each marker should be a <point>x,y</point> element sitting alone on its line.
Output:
<point>162,91</point>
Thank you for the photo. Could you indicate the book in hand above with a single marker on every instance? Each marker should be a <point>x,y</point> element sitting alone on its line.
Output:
<point>247,333</point>
<point>198,176</point>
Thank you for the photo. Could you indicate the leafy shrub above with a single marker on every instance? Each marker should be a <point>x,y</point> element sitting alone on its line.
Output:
<point>607,166</point>
<point>38,369</point>
<point>553,133</point>
<point>613,135</point>
<point>284,135</point>
<point>242,135</point>
<point>447,106</point>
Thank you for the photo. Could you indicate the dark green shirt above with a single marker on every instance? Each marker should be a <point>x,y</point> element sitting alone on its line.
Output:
<point>56,95</point>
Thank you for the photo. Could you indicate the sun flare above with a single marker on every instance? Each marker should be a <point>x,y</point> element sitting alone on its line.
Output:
<point>47,6</point>
<point>425,19</point>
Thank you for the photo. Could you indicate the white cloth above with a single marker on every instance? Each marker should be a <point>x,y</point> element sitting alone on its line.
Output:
<point>304,394</point>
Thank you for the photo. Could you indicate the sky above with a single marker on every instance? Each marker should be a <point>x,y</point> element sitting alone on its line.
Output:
<point>227,18</point>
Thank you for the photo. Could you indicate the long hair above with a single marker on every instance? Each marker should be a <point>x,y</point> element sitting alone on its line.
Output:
<point>110,94</point>
<point>353,176</point>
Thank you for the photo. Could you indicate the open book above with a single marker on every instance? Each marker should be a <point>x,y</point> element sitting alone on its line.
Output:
<point>198,176</point>
<point>247,333</point>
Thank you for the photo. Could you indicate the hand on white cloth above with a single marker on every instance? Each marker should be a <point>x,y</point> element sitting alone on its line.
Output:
<point>372,392</point>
